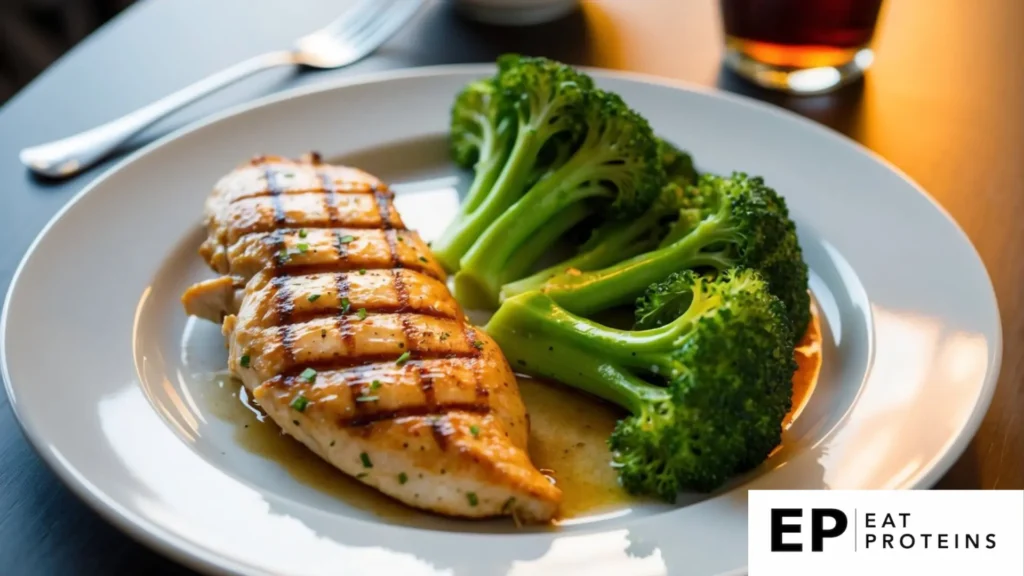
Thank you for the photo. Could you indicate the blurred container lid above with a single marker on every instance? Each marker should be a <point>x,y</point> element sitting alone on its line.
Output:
<point>515,12</point>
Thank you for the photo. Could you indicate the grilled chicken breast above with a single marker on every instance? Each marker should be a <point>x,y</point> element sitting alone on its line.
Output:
<point>339,323</point>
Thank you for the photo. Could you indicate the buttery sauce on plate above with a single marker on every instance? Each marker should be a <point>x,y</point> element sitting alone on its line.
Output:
<point>567,440</point>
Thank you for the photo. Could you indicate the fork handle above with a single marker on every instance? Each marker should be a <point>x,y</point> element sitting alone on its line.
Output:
<point>71,155</point>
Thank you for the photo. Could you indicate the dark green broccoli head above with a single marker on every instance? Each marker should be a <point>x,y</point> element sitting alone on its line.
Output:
<point>480,125</point>
<point>679,169</point>
<point>547,95</point>
<point>747,224</point>
<point>619,153</point>
<point>729,385</point>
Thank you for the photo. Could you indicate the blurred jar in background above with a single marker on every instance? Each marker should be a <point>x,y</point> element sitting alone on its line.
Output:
<point>516,12</point>
<point>799,46</point>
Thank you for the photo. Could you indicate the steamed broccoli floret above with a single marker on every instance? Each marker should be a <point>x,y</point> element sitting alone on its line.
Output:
<point>614,169</point>
<point>541,101</point>
<point>707,385</point>
<point>729,222</point>
<point>616,240</point>
<point>678,165</point>
<point>480,138</point>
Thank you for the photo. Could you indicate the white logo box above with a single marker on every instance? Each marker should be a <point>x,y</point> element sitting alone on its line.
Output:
<point>931,532</point>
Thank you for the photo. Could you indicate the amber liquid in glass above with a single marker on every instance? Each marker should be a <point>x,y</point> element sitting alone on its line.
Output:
<point>800,33</point>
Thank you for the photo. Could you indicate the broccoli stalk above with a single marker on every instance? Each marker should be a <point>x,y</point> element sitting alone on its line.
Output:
<point>706,377</point>
<point>614,168</point>
<point>734,221</point>
<point>610,243</point>
<point>541,100</point>
<point>617,240</point>
<point>480,138</point>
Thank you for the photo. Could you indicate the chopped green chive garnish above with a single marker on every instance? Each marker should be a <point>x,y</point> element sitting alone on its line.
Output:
<point>361,313</point>
<point>365,458</point>
<point>302,246</point>
<point>302,233</point>
<point>400,239</point>
<point>244,361</point>
<point>478,344</point>
<point>402,478</point>
<point>403,358</point>
<point>345,305</point>
<point>308,375</point>
<point>299,403</point>
<point>375,385</point>
<point>444,336</point>
<point>423,259</point>
<point>312,297</point>
<point>346,239</point>
<point>362,271</point>
<point>474,430</point>
<point>367,398</point>
<point>471,496</point>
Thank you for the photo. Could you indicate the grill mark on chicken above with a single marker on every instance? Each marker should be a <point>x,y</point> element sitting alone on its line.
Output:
<point>283,309</point>
<point>330,200</point>
<point>437,413</point>
<point>347,338</point>
<point>328,267</point>
<point>310,315</point>
<point>274,190</point>
<point>426,383</point>
<point>471,339</point>
<point>383,209</point>
<point>283,306</point>
<point>439,428</point>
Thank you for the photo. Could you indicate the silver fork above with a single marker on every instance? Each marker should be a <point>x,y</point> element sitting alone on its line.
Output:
<point>350,38</point>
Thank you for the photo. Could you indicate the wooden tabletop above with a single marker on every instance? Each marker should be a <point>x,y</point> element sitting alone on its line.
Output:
<point>944,102</point>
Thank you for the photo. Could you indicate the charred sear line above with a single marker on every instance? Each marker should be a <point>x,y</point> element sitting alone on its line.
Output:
<point>436,413</point>
<point>440,427</point>
<point>389,236</point>
<point>330,203</point>
<point>283,310</point>
<point>290,375</point>
<point>426,382</point>
<point>338,188</point>
<point>344,328</point>
<point>383,197</point>
<point>303,316</point>
<point>286,269</point>
<point>274,190</point>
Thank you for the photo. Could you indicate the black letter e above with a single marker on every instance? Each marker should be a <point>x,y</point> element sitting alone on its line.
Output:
<point>779,528</point>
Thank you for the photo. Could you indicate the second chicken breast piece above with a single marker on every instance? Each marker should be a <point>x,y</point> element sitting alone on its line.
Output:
<point>379,373</point>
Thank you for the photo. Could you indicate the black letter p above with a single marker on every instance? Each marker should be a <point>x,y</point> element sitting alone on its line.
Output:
<point>818,532</point>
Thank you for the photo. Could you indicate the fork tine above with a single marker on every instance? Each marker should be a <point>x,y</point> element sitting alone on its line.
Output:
<point>390,21</point>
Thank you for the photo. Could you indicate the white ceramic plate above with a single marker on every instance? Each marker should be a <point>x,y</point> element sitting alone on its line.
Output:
<point>112,385</point>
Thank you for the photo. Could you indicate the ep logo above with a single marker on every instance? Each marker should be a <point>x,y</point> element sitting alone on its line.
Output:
<point>824,523</point>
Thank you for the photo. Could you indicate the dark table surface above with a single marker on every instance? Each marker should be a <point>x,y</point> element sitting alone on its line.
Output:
<point>944,102</point>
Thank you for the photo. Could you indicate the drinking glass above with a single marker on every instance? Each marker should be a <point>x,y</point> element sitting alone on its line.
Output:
<point>799,46</point>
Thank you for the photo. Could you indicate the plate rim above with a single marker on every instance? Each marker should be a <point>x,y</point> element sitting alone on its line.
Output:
<point>155,537</point>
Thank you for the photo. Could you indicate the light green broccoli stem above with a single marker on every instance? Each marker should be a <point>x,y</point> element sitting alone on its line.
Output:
<point>598,290</point>
<point>567,364</point>
<point>540,243</point>
<point>482,268</point>
<point>460,235</point>
<point>644,350</point>
<point>621,242</point>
